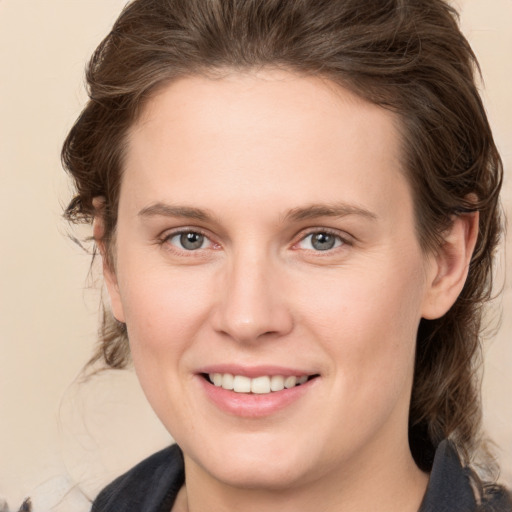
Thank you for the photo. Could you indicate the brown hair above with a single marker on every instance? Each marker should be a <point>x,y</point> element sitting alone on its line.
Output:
<point>405,55</point>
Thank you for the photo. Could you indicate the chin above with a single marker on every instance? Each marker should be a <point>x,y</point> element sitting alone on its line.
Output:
<point>269,475</point>
<point>266,465</point>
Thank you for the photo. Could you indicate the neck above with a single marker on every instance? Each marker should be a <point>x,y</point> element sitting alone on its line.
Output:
<point>386,483</point>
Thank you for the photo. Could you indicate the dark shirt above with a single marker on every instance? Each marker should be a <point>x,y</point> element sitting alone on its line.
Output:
<point>152,486</point>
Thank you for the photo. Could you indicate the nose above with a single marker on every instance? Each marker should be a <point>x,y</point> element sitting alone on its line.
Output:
<point>252,304</point>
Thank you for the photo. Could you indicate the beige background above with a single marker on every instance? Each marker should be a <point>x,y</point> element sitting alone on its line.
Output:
<point>55,433</point>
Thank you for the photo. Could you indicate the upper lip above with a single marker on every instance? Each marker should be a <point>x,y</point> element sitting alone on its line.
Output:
<point>255,371</point>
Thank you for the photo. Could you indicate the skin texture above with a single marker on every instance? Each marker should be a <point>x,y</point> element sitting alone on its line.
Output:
<point>249,150</point>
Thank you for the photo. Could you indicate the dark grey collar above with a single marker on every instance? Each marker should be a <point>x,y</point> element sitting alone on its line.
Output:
<point>152,486</point>
<point>449,488</point>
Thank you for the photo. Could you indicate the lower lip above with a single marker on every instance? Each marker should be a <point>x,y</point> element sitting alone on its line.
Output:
<point>252,405</point>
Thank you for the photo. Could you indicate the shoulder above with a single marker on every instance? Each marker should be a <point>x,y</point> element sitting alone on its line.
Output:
<point>495,498</point>
<point>452,487</point>
<point>151,485</point>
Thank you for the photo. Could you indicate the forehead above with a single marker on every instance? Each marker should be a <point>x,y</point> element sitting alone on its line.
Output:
<point>280,100</point>
<point>268,133</point>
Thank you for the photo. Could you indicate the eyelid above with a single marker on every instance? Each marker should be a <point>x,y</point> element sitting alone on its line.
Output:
<point>167,235</point>
<point>346,239</point>
<point>164,238</point>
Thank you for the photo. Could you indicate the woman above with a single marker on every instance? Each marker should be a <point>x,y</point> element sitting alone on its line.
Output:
<point>296,204</point>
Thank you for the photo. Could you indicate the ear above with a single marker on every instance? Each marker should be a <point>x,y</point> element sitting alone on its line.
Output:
<point>448,267</point>
<point>109,274</point>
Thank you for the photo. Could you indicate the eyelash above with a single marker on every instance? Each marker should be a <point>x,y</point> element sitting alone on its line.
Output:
<point>166,239</point>
<point>340,240</point>
<point>343,240</point>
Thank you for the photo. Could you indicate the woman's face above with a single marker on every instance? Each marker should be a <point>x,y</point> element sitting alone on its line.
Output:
<point>266,236</point>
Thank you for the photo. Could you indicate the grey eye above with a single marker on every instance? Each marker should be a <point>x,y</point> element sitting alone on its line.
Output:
<point>323,241</point>
<point>320,241</point>
<point>189,240</point>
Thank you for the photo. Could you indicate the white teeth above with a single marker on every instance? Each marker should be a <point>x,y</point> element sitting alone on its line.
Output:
<point>241,384</point>
<point>227,381</point>
<point>259,385</point>
<point>290,382</point>
<point>277,382</point>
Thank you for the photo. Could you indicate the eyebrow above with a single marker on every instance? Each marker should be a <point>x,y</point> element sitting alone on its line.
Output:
<point>294,215</point>
<point>168,210</point>
<point>328,210</point>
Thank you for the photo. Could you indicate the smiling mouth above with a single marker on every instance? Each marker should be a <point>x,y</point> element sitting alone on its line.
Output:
<point>259,385</point>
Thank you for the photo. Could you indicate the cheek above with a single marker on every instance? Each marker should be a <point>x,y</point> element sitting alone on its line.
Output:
<point>165,309</point>
<point>367,322</point>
